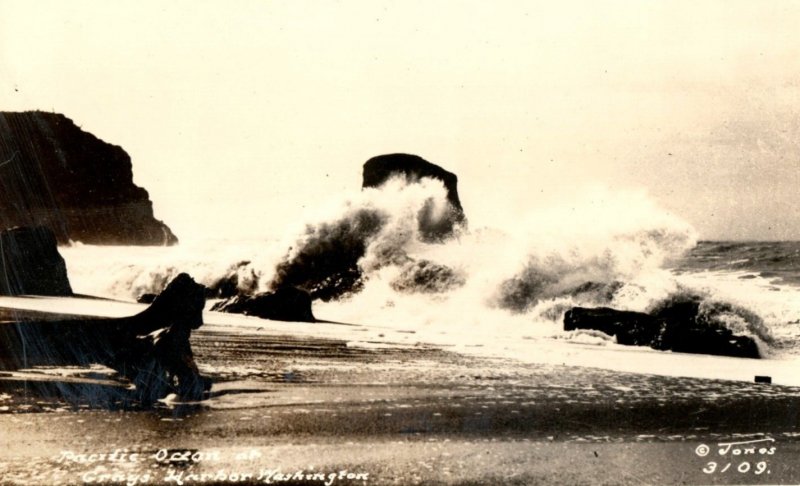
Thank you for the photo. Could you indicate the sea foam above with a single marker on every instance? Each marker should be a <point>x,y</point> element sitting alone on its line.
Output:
<point>364,257</point>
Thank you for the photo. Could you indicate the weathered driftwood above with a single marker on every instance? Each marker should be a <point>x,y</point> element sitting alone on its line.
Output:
<point>151,349</point>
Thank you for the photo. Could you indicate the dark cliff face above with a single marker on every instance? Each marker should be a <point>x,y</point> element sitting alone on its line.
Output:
<point>54,174</point>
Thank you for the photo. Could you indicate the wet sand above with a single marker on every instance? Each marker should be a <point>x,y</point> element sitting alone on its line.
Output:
<point>397,413</point>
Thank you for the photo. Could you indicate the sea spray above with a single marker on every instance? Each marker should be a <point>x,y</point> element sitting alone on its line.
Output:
<point>124,273</point>
<point>375,235</point>
<point>520,279</point>
<point>365,258</point>
<point>334,257</point>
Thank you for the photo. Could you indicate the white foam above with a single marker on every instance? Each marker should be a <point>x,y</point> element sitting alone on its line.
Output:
<point>516,277</point>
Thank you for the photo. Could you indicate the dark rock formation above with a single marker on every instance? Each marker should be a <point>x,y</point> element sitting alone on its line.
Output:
<point>151,349</point>
<point>146,298</point>
<point>30,263</point>
<point>630,328</point>
<point>678,328</point>
<point>378,170</point>
<point>692,327</point>
<point>54,174</point>
<point>284,304</point>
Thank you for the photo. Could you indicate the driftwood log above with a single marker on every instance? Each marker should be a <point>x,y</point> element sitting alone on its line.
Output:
<point>151,349</point>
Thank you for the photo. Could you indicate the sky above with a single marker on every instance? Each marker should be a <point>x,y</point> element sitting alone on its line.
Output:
<point>240,116</point>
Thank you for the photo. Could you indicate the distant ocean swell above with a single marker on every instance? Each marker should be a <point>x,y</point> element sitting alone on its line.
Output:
<point>364,260</point>
<point>779,260</point>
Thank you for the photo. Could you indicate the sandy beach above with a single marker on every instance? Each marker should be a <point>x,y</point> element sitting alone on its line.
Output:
<point>299,409</point>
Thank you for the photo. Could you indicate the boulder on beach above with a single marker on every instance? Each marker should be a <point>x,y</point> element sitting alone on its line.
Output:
<point>694,327</point>
<point>151,349</point>
<point>54,174</point>
<point>676,328</point>
<point>380,169</point>
<point>283,304</point>
<point>630,328</point>
<point>31,263</point>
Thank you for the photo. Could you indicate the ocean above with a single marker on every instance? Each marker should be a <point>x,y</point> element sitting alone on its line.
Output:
<point>502,287</point>
<point>778,261</point>
<point>456,344</point>
<point>763,277</point>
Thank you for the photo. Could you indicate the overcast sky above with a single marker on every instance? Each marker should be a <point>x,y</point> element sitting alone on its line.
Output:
<point>238,114</point>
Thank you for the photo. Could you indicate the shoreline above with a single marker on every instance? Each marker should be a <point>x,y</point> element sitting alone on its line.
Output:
<point>405,413</point>
<point>532,349</point>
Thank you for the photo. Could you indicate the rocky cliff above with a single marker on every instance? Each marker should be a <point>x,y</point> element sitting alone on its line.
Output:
<point>54,174</point>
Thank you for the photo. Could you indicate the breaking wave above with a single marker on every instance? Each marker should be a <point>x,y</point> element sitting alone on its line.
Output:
<point>367,259</point>
<point>370,250</point>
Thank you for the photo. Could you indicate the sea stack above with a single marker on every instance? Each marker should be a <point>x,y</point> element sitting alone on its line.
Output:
<point>378,170</point>
<point>56,175</point>
<point>325,260</point>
